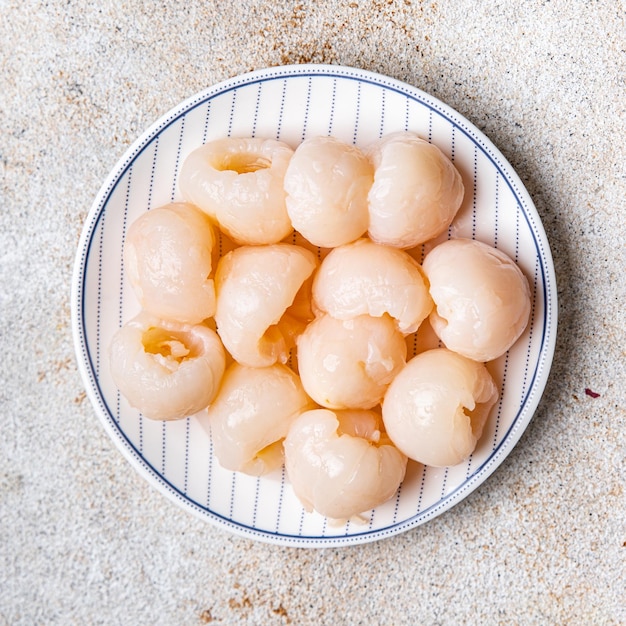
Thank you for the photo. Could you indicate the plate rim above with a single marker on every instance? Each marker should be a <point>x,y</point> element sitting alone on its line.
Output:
<point>536,386</point>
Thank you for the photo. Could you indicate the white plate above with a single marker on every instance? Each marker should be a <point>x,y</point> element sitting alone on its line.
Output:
<point>292,103</point>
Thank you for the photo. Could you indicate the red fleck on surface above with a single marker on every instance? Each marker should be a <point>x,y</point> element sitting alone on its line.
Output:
<point>591,393</point>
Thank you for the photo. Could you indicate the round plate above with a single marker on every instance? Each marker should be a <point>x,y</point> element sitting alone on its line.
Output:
<point>292,103</point>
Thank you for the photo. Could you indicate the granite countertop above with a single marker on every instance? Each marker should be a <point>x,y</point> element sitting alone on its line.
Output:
<point>85,540</point>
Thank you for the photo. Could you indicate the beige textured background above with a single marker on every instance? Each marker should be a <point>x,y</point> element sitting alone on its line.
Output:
<point>84,540</point>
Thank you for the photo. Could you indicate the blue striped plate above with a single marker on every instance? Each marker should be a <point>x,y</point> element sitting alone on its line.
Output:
<point>292,103</point>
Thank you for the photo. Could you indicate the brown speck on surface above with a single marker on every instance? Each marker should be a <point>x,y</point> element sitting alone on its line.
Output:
<point>206,617</point>
<point>310,53</point>
<point>63,364</point>
<point>243,604</point>
<point>282,611</point>
<point>592,394</point>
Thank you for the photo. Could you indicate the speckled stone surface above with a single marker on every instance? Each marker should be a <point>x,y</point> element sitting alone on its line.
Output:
<point>85,540</point>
